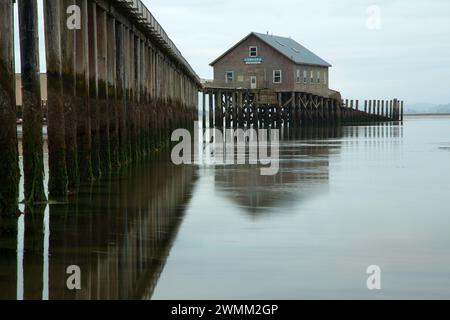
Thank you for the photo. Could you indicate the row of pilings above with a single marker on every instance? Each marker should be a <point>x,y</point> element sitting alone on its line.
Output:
<point>258,108</point>
<point>114,96</point>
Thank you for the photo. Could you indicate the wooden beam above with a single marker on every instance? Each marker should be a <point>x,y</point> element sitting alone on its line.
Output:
<point>33,159</point>
<point>57,185</point>
<point>9,159</point>
<point>93,88</point>
<point>84,139</point>
<point>68,87</point>
<point>102,92</point>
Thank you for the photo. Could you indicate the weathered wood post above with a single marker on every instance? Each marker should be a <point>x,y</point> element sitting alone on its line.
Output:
<point>235,109</point>
<point>378,108</point>
<point>57,185</point>
<point>387,109</point>
<point>33,161</point>
<point>211,108</point>
<point>374,110</point>
<point>338,110</point>
<point>84,138</point>
<point>102,93</point>
<point>401,111</point>
<point>68,87</point>
<point>113,105</point>
<point>9,159</point>
<point>240,109</point>
<point>382,108</point>
<point>204,110</point>
<point>365,106</point>
<point>218,113</point>
<point>227,96</point>
<point>120,87</point>
<point>396,110</point>
<point>292,113</point>
<point>93,88</point>
<point>352,111</point>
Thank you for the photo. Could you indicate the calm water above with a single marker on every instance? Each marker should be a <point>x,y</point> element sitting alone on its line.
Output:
<point>345,198</point>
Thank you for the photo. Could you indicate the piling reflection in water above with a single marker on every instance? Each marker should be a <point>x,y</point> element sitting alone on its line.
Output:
<point>118,231</point>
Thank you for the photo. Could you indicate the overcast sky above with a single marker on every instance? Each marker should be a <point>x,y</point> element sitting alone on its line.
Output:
<point>407,55</point>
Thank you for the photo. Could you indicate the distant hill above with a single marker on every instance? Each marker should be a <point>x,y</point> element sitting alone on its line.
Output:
<point>427,108</point>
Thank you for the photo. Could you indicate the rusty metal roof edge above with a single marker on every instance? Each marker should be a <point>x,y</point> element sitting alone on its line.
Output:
<point>145,18</point>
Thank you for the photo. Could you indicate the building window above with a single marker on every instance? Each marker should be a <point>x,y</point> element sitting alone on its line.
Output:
<point>305,77</point>
<point>229,76</point>
<point>253,51</point>
<point>277,76</point>
<point>312,77</point>
<point>298,77</point>
<point>318,77</point>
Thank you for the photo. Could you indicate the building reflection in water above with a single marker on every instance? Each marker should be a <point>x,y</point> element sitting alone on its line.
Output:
<point>303,171</point>
<point>304,166</point>
<point>118,231</point>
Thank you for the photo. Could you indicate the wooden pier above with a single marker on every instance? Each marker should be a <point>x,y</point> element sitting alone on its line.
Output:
<point>226,107</point>
<point>117,87</point>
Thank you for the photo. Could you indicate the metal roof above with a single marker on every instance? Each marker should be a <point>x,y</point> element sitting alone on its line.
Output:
<point>288,47</point>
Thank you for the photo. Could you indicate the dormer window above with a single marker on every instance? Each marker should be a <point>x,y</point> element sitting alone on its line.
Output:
<point>253,51</point>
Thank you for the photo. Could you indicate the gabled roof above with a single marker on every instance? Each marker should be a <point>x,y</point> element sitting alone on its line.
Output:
<point>287,47</point>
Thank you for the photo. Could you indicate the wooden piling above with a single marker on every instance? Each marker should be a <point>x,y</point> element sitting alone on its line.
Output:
<point>68,87</point>
<point>84,138</point>
<point>102,92</point>
<point>113,105</point>
<point>93,88</point>
<point>120,93</point>
<point>211,108</point>
<point>235,109</point>
<point>401,111</point>
<point>9,160</point>
<point>218,105</point>
<point>57,185</point>
<point>204,110</point>
<point>32,141</point>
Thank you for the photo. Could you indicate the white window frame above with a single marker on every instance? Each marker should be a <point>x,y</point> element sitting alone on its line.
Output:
<point>250,51</point>
<point>298,77</point>
<point>226,76</point>
<point>280,76</point>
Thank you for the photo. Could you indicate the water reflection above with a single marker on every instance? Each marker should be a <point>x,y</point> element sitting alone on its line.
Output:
<point>303,171</point>
<point>119,231</point>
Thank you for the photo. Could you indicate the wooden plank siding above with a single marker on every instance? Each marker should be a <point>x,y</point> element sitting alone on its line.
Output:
<point>271,60</point>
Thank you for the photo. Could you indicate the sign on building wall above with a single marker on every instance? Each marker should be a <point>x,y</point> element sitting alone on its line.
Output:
<point>253,60</point>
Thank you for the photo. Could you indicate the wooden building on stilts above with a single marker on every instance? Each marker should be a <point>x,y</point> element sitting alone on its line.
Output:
<point>267,80</point>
